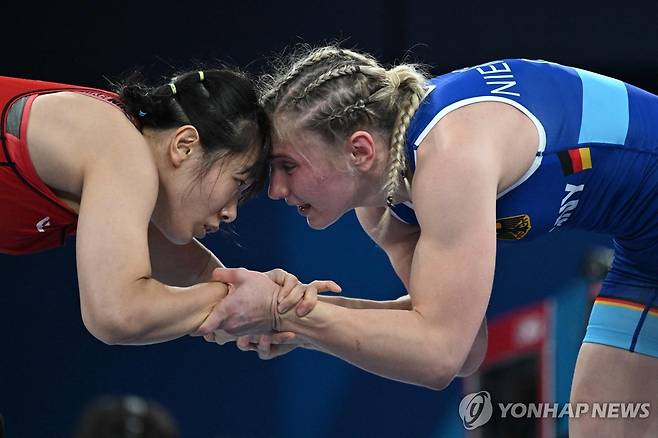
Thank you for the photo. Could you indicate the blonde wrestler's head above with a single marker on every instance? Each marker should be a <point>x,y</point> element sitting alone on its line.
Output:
<point>339,121</point>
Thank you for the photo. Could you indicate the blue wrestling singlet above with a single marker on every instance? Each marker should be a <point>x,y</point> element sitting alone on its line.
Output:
<point>596,169</point>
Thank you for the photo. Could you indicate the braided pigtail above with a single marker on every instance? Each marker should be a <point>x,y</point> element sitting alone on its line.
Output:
<point>411,91</point>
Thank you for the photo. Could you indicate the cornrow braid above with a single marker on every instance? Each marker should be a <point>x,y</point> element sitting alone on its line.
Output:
<point>335,73</point>
<point>358,57</point>
<point>359,105</point>
<point>317,56</point>
<point>334,95</point>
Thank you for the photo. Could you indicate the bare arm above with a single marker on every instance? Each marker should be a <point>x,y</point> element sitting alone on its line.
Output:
<point>399,241</point>
<point>472,362</point>
<point>451,275</point>
<point>402,303</point>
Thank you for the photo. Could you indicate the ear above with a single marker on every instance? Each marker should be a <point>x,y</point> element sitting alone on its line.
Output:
<point>362,150</point>
<point>184,143</point>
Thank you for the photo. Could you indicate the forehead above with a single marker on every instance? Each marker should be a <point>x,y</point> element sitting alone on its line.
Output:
<point>284,148</point>
<point>302,145</point>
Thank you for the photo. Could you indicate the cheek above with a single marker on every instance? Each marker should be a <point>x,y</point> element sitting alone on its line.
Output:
<point>192,208</point>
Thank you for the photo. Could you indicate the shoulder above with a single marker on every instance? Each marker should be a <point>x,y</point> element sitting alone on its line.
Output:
<point>72,135</point>
<point>93,128</point>
<point>491,140</point>
<point>484,123</point>
<point>78,111</point>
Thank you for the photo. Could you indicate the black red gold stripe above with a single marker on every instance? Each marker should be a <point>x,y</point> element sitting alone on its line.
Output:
<point>617,302</point>
<point>575,160</point>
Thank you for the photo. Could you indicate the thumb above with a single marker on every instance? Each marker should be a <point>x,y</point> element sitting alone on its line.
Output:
<point>212,322</point>
<point>326,286</point>
<point>227,275</point>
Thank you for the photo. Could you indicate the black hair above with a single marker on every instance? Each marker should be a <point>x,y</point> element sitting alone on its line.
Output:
<point>222,104</point>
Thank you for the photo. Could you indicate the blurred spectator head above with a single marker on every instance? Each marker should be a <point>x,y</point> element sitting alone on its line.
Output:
<point>126,417</point>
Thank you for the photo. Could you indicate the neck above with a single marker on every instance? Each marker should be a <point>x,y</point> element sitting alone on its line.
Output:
<point>157,145</point>
<point>374,194</point>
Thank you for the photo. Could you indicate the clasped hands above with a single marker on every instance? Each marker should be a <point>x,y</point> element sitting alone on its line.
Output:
<point>251,312</point>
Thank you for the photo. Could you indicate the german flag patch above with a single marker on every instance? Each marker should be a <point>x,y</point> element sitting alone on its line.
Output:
<point>575,160</point>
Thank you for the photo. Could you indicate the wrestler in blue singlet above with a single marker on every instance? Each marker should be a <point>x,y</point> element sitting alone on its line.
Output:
<point>596,169</point>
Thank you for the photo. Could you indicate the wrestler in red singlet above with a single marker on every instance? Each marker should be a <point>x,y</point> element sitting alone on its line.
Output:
<point>32,217</point>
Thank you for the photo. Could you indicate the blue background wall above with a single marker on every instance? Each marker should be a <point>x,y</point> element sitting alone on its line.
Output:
<point>50,367</point>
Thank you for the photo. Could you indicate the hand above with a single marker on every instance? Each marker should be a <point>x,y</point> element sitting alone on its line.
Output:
<point>270,346</point>
<point>293,293</point>
<point>249,307</point>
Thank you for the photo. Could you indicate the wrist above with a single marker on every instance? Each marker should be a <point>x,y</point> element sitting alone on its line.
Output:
<point>310,326</point>
<point>274,312</point>
<point>284,320</point>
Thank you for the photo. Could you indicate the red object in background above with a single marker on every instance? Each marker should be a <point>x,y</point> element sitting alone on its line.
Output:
<point>517,340</point>
<point>518,332</point>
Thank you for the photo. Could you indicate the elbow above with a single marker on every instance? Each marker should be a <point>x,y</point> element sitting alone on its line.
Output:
<point>447,363</point>
<point>476,355</point>
<point>113,326</point>
<point>441,373</point>
<point>472,364</point>
<point>440,379</point>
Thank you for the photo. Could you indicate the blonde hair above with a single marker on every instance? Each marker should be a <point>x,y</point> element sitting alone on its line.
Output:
<point>334,91</point>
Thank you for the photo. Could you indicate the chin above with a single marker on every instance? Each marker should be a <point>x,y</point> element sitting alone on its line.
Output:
<point>175,235</point>
<point>178,238</point>
<point>320,224</point>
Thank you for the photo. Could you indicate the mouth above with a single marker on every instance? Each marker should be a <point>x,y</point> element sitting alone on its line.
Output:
<point>303,209</point>
<point>207,229</point>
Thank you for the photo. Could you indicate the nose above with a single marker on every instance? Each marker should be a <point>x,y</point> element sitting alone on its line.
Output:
<point>278,188</point>
<point>229,212</point>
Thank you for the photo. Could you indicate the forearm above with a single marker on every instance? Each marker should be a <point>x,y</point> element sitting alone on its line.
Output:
<point>475,356</point>
<point>397,344</point>
<point>152,312</point>
<point>402,303</point>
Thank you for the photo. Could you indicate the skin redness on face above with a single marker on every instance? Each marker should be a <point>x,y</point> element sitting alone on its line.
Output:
<point>310,180</point>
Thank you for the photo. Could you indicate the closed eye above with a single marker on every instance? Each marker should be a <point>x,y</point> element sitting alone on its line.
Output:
<point>285,166</point>
<point>283,163</point>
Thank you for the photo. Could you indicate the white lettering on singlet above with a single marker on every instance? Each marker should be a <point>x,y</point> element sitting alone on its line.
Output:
<point>499,74</point>
<point>567,207</point>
